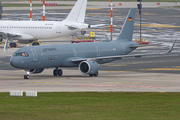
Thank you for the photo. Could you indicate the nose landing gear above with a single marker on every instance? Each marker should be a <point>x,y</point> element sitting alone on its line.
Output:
<point>27,75</point>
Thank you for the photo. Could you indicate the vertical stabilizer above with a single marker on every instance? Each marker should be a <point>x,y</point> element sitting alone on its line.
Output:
<point>127,29</point>
<point>77,14</point>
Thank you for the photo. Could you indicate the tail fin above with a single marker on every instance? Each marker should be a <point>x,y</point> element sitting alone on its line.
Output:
<point>127,30</point>
<point>77,14</point>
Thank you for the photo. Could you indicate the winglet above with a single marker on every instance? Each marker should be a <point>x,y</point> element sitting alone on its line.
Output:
<point>5,46</point>
<point>170,50</point>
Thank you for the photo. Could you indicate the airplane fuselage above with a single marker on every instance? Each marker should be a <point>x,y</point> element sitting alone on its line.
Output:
<point>47,56</point>
<point>30,30</point>
<point>85,56</point>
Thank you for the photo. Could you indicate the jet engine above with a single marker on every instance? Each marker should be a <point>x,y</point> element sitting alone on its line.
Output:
<point>36,70</point>
<point>89,67</point>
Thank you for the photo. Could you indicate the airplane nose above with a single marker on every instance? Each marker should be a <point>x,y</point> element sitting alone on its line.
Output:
<point>14,62</point>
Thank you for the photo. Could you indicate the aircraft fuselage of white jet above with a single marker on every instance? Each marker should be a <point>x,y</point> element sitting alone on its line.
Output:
<point>31,30</point>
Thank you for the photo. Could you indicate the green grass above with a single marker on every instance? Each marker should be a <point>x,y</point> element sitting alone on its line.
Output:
<point>91,105</point>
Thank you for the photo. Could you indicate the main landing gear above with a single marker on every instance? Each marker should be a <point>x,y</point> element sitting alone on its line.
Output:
<point>57,72</point>
<point>95,75</point>
<point>36,42</point>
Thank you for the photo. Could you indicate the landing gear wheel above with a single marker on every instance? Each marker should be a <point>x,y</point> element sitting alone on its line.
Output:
<point>12,45</point>
<point>60,72</point>
<point>26,76</point>
<point>35,43</point>
<point>90,75</point>
<point>55,72</point>
<point>95,75</point>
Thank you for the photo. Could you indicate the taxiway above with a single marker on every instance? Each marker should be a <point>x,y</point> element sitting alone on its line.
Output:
<point>160,26</point>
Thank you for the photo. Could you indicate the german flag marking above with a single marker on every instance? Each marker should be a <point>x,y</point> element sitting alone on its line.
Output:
<point>130,18</point>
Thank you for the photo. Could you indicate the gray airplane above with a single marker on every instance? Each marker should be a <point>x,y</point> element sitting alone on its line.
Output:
<point>85,56</point>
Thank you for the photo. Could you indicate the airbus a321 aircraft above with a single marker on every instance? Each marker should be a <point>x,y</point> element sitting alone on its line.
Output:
<point>32,30</point>
<point>85,56</point>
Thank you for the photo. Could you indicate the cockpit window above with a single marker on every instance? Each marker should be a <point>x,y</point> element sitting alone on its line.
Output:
<point>24,54</point>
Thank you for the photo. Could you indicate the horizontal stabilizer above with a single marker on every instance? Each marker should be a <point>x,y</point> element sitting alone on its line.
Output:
<point>72,27</point>
<point>99,25</point>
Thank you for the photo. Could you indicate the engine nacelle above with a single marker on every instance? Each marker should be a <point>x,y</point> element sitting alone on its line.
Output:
<point>36,70</point>
<point>89,67</point>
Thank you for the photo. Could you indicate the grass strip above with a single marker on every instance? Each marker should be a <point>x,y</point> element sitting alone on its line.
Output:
<point>91,105</point>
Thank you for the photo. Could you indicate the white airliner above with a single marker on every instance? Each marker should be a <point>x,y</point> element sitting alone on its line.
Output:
<point>33,30</point>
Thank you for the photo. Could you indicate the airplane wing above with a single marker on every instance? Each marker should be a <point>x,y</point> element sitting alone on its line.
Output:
<point>6,34</point>
<point>73,27</point>
<point>123,56</point>
<point>18,35</point>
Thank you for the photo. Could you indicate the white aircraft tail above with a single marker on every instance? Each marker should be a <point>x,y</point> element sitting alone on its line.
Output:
<point>77,13</point>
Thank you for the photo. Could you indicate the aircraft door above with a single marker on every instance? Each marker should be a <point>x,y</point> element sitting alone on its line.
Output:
<point>98,50</point>
<point>123,48</point>
<point>58,28</point>
<point>9,27</point>
<point>75,51</point>
<point>34,53</point>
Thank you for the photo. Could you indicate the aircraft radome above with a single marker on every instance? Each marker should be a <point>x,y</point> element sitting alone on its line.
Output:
<point>33,30</point>
<point>85,56</point>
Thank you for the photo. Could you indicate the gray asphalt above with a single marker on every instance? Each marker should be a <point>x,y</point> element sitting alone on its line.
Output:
<point>152,73</point>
